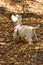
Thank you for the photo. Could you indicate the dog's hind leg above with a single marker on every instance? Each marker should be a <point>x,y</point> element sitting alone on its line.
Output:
<point>29,36</point>
<point>35,35</point>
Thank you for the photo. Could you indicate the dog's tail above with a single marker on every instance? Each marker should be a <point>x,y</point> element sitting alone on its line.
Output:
<point>37,26</point>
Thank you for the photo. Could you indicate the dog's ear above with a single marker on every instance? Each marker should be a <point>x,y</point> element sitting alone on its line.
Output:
<point>14,18</point>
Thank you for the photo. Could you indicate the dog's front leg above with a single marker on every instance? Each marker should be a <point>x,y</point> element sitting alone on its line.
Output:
<point>15,34</point>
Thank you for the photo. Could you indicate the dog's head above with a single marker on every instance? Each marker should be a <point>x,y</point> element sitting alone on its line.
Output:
<point>16,18</point>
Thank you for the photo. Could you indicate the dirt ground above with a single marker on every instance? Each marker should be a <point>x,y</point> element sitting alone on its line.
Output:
<point>20,52</point>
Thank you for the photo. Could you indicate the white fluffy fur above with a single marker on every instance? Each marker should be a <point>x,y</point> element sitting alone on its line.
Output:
<point>24,31</point>
<point>14,18</point>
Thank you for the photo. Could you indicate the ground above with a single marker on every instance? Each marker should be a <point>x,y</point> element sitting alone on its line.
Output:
<point>20,52</point>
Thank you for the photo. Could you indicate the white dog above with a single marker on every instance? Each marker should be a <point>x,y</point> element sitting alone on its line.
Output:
<point>24,31</point>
